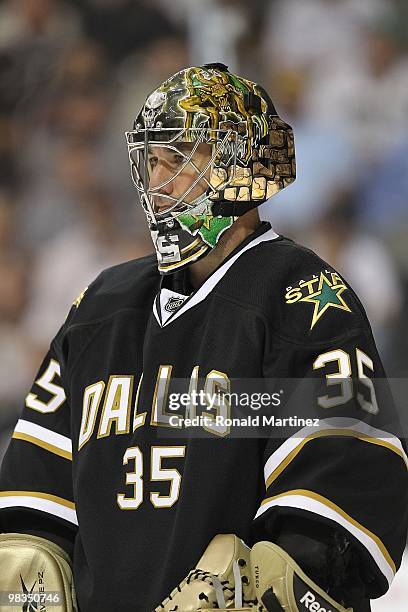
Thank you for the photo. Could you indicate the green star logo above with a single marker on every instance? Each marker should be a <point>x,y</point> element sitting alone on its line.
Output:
<point>326,296</point>
<point>207,227</point>
<point>206,220</point>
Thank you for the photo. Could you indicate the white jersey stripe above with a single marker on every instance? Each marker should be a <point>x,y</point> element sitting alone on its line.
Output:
<point>307,500</point>
<point>44,502</point>
<point>333,426</point>
<point>42,434</point>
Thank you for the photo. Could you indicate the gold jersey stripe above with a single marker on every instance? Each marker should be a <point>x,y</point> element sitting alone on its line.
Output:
<point>191,246</point>
<point>46,445</point>
<point>343,514</point>
<point>196,254</point>
<point>48,496</point>
<point>332,432</point>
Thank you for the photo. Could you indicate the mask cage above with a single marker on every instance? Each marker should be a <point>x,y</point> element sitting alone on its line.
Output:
<point>225,145</point>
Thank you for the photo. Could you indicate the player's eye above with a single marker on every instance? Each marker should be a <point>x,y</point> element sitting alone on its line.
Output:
<point>178,159</point>
<point>152,161</point>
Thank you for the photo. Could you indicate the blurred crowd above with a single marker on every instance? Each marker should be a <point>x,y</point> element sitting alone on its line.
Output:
<point>73,76</point>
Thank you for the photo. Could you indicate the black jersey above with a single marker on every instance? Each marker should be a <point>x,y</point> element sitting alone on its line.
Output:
<point>97,459</point>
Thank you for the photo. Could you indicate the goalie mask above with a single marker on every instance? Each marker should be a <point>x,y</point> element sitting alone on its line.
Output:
<point>206,147</point>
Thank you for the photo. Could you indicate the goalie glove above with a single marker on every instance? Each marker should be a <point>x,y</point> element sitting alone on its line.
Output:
<point>280,584</point>
<point>35,574</point>
<point>220,580</point>
<point>229,576</point>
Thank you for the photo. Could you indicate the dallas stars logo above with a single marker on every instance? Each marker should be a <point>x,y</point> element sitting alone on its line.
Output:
<point>323,291</point>
<point>207,227</point>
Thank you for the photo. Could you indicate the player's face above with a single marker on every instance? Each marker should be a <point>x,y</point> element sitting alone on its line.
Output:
<point>173,176</point>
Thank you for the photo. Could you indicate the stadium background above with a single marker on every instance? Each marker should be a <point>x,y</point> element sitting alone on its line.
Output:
<point>72,77</point>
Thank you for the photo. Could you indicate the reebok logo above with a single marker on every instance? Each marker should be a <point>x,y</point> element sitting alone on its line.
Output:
<point>310,603</point>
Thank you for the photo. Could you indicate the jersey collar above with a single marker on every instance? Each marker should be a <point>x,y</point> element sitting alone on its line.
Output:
<point>183,303</point>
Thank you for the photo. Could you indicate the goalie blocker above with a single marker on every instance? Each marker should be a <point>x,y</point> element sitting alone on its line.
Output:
<point>231,576</point>
<point>34,574</point>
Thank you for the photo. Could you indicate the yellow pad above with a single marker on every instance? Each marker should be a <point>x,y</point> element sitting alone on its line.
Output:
<point>35,570</point>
